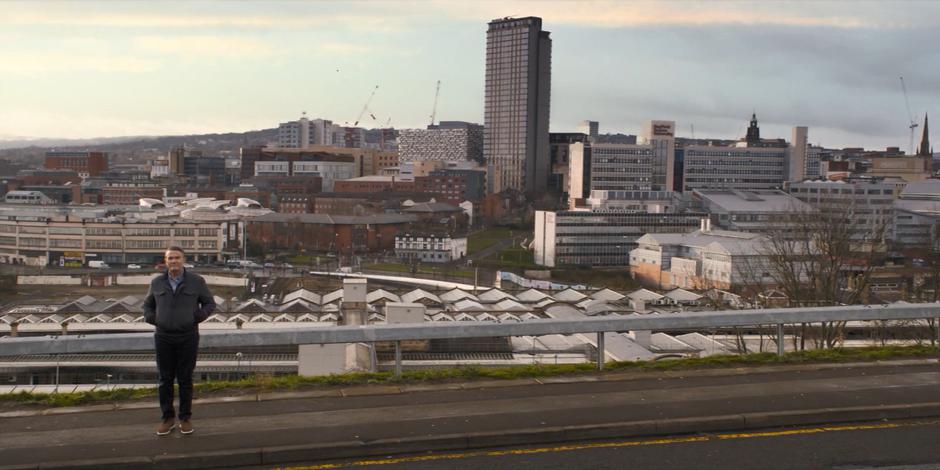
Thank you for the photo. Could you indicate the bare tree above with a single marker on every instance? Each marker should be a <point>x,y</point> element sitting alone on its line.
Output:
<point>822,257</point>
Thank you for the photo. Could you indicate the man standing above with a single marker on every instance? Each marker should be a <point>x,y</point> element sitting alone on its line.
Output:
<point>177,302</point>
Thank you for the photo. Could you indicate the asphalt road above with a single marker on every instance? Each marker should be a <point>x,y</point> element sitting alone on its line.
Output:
<point>422,413</point>
<point>903,444</point>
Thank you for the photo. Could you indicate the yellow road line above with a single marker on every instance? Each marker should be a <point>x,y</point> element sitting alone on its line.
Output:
<point>601,445</point>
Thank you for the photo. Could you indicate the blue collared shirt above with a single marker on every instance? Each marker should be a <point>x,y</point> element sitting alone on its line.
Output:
<point>175,281</point>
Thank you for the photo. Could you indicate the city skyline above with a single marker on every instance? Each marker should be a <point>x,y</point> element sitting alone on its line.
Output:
<point>79,70</point>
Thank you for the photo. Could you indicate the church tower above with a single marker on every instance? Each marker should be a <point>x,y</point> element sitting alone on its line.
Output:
<point>924,149</point>
<point>753,132</point>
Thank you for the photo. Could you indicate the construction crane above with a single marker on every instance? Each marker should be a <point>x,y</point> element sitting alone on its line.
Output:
<point>910,116</point>
<point>365,107</point>
<point>437,92</point>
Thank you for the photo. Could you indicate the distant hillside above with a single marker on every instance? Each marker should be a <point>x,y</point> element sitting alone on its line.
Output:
<point>136,149</point>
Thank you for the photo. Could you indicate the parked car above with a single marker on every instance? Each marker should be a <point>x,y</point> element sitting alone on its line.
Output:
<point>133,266</point>
<point>268,265</point>
<point>187,265</point>
<point>98,264</point>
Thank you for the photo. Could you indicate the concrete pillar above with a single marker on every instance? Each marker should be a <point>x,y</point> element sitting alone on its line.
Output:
<point>354,308</point>
<point>14,329</point>
<point>65,328</point>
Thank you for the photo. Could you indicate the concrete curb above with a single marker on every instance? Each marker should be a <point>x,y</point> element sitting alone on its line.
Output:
<point>518,437</point>
<point>368,390</point>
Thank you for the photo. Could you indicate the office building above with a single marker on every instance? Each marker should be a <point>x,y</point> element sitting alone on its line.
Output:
<point>866,203</point>
<point>752,163</point>
<point>647,166</point>
<point>448,141</point>
<point>916,224</point>
<point>329,169</point>
<point>205,171</point>
<point>516,110</point>
<point>590,129</point>
<point>560,160</point>
<point>756,211</point>
<point>587,238</point>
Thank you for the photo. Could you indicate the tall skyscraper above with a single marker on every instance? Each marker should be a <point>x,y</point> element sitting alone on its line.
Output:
<point>518,88</point>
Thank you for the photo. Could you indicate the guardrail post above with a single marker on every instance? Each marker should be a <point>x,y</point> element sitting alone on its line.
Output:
<point>601,354</point>
<point>397,358</point>
<point>936,330</point>
<point>780,340</point>
<point>56,374</point>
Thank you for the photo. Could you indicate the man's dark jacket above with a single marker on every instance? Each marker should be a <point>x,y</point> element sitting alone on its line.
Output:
<point>180,311</point>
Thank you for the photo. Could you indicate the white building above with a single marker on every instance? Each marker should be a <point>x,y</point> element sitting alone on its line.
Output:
<point>304,132</point>
<point>430,248</point>
<point>327,170</point>
<point>160,169</point>
<point>702,259</point>
<point>27,197</point>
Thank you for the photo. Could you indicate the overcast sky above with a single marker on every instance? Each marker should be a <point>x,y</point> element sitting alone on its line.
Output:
<point>83,69</point>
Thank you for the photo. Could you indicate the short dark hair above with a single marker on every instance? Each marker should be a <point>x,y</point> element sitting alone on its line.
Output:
<point>175,248</point>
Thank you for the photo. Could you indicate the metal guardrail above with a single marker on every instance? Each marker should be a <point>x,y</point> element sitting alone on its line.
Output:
<point>399,332</point>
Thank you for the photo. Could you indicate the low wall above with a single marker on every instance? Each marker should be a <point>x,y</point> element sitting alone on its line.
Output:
<point>134,279</point>
<point>120,280</point>
<point>49,280</point>
<point>213,280</point>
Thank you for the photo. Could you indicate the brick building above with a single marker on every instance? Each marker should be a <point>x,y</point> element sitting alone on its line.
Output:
<point>84,163</point>
<point>373,184</point>
<point>130,192</point>
<point>328,233</point>
<point>295,203</point>
<point>453,185</point>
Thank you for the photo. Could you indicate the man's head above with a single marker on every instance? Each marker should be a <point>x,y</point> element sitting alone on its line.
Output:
<point>174,257</point>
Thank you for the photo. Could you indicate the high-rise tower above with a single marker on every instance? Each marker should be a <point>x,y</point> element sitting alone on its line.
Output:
<point>517,95</point>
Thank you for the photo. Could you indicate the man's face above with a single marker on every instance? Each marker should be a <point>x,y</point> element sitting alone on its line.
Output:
<point>174,261</point>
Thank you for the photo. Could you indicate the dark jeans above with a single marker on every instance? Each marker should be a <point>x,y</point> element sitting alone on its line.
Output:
<point>176,359</point>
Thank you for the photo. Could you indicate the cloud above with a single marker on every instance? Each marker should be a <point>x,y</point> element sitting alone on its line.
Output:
<point>619,14</point>
<point>35,63</point>
<point>203,47</point>
<point>40,123</point>
<point>305,18</point>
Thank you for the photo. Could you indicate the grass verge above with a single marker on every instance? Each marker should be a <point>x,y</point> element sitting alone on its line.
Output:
<point>267,383</point>
<point>484,239</point>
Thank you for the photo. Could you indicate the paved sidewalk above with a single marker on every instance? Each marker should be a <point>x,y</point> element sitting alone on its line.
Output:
<point>338,423</point>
